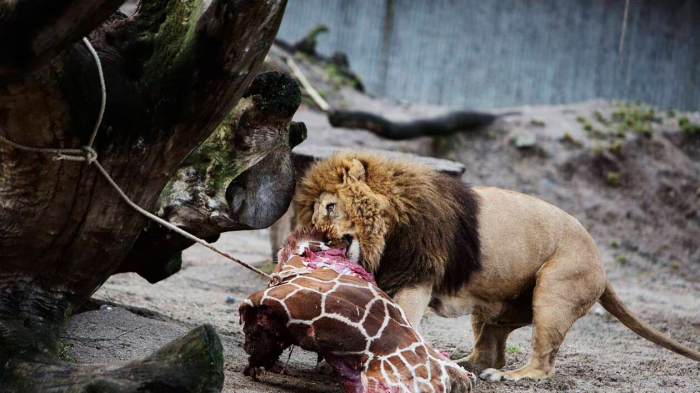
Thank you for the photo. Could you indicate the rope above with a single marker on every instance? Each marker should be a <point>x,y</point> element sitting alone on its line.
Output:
<point>103,88</point>
<point>89,155</point>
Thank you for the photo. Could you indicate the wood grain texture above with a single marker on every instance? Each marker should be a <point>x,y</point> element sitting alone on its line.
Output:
<point>173,72</point>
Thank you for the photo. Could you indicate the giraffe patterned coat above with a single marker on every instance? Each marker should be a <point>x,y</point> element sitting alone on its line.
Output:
<point>323,303</point>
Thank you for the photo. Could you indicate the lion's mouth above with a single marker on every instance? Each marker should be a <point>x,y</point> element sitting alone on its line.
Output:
<point>352,250</point>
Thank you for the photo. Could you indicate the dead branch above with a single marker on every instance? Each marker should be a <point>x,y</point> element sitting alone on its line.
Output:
<point>451,123</point>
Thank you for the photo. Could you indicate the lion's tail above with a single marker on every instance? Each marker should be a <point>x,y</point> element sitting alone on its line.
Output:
<point>614,305</point>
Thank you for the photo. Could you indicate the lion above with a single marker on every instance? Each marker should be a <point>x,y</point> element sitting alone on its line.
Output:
<point>434,242</point>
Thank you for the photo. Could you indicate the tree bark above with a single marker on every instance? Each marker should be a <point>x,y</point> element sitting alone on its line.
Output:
<point>191,363</point>
<point>173,72</point>
<point>241,178</point>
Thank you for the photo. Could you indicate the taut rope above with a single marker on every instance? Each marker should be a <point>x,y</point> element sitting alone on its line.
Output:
<point>89,155</point>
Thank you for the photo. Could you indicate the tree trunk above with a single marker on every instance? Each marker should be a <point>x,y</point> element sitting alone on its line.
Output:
<point>173,72</point>
<point>241,178</point>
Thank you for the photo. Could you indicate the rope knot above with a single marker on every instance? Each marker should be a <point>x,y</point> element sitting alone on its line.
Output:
<point>90,154</point>
<point>86,154</point>
<point>275,280</point>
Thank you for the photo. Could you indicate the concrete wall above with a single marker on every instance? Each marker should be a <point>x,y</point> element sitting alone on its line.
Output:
<point>501,53</point>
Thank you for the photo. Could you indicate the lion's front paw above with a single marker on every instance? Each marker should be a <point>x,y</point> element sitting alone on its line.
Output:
<point>494,375</point>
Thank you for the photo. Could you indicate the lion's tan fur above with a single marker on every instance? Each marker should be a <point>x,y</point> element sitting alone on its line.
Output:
<point>534,264</point>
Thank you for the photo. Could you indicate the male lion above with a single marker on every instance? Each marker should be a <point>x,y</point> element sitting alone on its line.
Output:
<point>506,258</point>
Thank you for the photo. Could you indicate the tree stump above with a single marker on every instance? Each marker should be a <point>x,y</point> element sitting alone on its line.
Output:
<point>174,71</point>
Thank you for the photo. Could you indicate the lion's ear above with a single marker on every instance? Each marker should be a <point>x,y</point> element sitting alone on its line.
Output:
<point>357,170</point>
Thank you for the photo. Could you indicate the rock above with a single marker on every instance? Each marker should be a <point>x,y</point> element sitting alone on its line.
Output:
<point>525,140</point>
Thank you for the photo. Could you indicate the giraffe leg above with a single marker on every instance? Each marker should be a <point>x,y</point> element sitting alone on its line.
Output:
<point>414,302</point>
<point>489,345</point>
<point>555,309</point>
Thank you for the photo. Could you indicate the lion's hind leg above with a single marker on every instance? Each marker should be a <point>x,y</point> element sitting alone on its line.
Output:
<point>561,297</point>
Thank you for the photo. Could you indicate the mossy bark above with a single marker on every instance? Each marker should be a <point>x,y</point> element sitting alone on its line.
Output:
<point>173,72</point>
<point>241,177</point>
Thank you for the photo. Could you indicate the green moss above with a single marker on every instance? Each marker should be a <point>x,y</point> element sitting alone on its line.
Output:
<point>336,78</point>
<point>597,133</point>
<point>616,148</point>
<point>308,101</point>
<point>513,349</point>
<point>612,179</point>
<point>65,353</point>
<point>621,132</point>
<point>457,355</point>
<point>600,118</point>
<point>535,121</point>
<point>634,117</point>
<point>268,267</point>
<point>614,243</point>
<point>621,259</point>
<point>689,128</point>
<point>671,113</point>
<point>301,56</point>
<point>570,140</point>
<point>170,28</point>
<point>215,159</point>
<point>597,151</point>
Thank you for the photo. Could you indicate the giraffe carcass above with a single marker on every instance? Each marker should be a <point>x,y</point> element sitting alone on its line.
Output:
<point>323,303</point>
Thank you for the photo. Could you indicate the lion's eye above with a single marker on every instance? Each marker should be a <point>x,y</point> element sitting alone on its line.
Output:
<point>329,208</point>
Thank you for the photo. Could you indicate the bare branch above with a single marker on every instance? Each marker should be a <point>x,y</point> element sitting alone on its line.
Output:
<point>450,123</point>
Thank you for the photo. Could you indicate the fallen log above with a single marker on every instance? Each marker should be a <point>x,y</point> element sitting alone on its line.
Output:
<point>448,124</point>
<point>191,363</point>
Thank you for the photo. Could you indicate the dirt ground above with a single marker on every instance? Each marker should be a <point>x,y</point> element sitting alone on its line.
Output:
<point>646,223</point>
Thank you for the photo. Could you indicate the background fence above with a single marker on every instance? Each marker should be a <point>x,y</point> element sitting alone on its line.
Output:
<point>500,53</point>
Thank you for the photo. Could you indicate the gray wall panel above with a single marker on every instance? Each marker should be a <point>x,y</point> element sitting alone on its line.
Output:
<point>500,53</point>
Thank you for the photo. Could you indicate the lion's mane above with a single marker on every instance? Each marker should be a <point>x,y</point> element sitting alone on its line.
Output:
<point>414,224</point>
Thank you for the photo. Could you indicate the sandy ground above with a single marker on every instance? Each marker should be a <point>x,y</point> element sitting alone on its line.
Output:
<point>599,353</point>
<point>657,276</point>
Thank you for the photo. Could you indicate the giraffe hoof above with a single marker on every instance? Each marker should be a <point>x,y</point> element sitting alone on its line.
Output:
<point>494,375</point>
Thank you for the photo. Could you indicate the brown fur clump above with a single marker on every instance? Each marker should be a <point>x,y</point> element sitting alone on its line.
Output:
<point>414,224</point>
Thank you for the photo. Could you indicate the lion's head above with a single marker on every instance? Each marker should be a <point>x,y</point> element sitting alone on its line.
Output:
<point>338,196</point>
